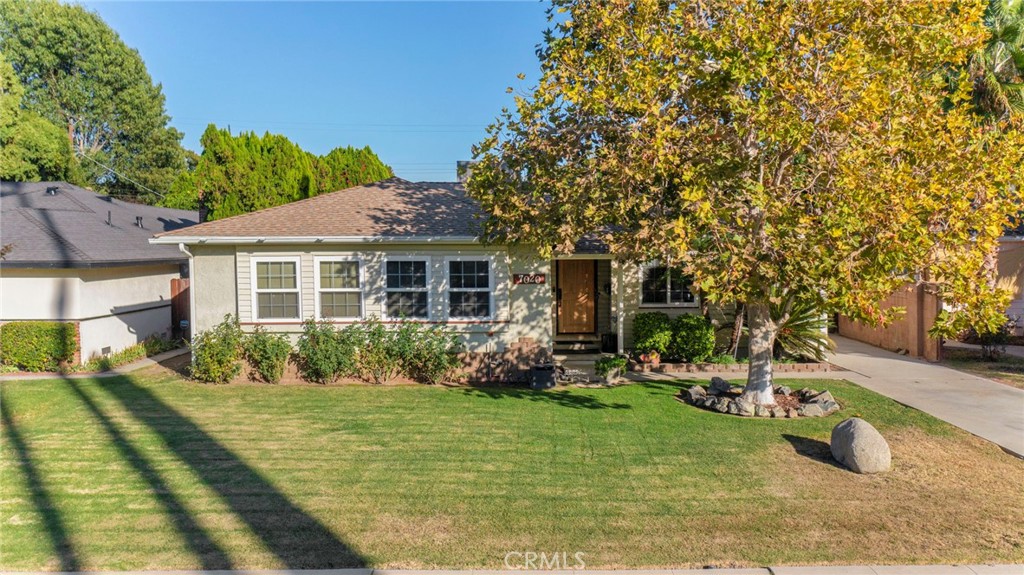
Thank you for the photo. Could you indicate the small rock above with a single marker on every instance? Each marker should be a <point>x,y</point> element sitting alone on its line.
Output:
<point>811,410</point>
<point>719,386</point>
<point>805,393</point>
<point>732,409</point>
<point>778,412</point>
<point>709,401</point>
<point>792,413</point>
<point>722,404</point>
<point>762,411</point>
<point>744,407</point>
<point>783,390</point>
<point>858,445</point>
<point>695,393</point>
<point>822,398</point>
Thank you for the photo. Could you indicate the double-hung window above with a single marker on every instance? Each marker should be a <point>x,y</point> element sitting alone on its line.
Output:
<point>406,282</point>
<point>339,288</point>
<point>469,288</point>
<point>277,290</point>
<point>666,286</point>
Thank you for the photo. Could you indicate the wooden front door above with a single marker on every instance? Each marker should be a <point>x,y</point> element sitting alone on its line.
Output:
<point>577,296</point>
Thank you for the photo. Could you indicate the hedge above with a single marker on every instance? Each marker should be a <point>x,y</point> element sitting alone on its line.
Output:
<point>37,345</point>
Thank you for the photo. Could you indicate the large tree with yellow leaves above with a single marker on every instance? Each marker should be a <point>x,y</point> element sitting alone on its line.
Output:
<point>781,153</point>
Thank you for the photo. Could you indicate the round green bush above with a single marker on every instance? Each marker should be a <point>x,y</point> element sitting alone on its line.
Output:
<point>693,339</point>
<point>652,331</point>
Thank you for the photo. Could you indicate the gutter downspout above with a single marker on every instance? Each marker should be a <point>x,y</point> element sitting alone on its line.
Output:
<point>191,296</point>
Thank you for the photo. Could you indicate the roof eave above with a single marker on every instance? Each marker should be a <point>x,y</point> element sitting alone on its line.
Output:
<point>278,240</point>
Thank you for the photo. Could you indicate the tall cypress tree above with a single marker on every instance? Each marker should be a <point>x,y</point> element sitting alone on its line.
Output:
<point>248,172</point>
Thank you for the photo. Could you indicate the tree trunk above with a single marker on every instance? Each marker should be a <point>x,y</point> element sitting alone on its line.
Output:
<point>759,388</point>
<point>737,329</point>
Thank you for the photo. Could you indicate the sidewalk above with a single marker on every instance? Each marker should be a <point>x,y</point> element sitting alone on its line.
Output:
<point>120,370</point>
<point>830,570</point>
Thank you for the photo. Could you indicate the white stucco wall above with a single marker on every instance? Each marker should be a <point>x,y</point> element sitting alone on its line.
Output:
<point>213,285</point>
<point>116,307</point>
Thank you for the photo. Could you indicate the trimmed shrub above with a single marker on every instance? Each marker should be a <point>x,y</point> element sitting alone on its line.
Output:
<point>652,331</point>
<point>267,353</point>
<point>693,338</point>
<point>608,364</point>
<point>433,356</point>
<point>37,345</point>
<point>324,353</point>
<point>217,353</point>
<point>384,351</point>
<point>150,346</point>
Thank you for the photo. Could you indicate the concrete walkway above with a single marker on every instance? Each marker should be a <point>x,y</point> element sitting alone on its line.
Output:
<point>983,407</point>
<point>120,370</point>
<point>828,570</point>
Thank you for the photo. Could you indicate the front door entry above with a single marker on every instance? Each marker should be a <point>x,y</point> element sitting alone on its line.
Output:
<point>577,296</point>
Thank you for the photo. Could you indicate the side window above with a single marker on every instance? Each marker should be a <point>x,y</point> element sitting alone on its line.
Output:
<point>406,293</point>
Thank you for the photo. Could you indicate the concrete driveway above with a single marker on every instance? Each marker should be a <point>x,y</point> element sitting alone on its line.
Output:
<point>983,407</point>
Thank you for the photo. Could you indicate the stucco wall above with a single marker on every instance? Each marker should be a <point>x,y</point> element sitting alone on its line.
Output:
<point>116,307</point>
<point>1011,267</point>
<point>213,285</point>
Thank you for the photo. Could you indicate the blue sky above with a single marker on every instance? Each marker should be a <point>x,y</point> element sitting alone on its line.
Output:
<point>416,81</point>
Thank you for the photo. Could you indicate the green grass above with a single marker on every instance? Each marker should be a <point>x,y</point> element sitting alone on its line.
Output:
<point>153,472</point>
<point>1007,369</point>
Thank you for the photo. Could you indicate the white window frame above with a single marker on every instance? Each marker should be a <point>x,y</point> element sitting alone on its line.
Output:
<point>255,291</point>
<point>643,277</point>
<point>491,287</point>
<point>385,289</point>
<point>361,290</point>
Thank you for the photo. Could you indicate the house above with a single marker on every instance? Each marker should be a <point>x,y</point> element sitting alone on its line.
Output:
<point>1011,270</point>
<point>78,256</point>
<point>399,249</point>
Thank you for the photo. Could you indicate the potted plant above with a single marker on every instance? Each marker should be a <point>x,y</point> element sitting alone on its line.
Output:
<point>610,367</point>
<point>651,357</point>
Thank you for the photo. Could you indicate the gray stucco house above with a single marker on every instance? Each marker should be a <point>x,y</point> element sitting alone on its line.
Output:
<point>400,249</point>
<point>82,257</point>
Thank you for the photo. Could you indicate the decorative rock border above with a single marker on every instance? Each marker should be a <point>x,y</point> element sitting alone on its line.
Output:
<point>812,367</point>
<point>723,397</point>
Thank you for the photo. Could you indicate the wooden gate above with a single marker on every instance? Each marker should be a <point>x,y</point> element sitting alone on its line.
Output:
<point>180,309</point>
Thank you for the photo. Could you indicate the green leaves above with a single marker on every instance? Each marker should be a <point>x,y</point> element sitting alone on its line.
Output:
<point>797,148</point>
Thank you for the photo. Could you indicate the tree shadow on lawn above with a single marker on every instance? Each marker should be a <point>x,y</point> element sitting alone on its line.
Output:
<point>812,449</point>
<point>297,539</point>
<point>562,398</point>
<point>41,500</point>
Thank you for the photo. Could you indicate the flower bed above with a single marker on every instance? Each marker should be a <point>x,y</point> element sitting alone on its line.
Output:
<point>810,367</point>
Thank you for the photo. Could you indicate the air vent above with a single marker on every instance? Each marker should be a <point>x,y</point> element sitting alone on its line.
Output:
<point>138,221</point>
<point>52,190</point>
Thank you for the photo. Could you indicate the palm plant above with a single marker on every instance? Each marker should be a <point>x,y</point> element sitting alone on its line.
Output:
<point>997,69</point>
<point>803,329</point>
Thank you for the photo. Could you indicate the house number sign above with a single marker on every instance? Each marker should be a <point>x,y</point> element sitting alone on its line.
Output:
<point>529,279</point>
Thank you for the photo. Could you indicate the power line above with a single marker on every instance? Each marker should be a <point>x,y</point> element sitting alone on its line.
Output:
<point>118,174</point>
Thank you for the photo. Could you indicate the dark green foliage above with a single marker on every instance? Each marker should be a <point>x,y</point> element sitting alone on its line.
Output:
<point>693,338</point>
<point>247,172</point>
<point>431,353</point>
<point>267,353</point>
<point>324,353</point>
<point>78,74</point>
<point>652,331</point>
<point>217,353</point>
<point>31,147</point>
<point>993,344</point>
<point>803,333</point>
<point>37,345</point>
<point>609,363</point>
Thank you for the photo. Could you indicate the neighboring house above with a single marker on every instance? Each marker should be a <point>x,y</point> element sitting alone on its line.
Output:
<point>1011,269</point>
<point>82,257</point>
<point>398,249</point>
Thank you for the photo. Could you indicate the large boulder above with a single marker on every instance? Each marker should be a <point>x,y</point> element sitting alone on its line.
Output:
<point>858,446</point>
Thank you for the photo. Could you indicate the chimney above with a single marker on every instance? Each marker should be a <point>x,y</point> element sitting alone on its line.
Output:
<point>463,169</point>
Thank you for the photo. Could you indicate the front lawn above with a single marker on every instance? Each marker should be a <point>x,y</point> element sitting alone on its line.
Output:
<point>153,472</point>
<point>1007,369</point>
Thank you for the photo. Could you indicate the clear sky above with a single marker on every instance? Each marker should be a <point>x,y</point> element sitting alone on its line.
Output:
<point>416,81</point>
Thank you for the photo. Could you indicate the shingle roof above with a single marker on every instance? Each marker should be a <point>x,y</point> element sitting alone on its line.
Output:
<point>393,208</point>
<point>56,224</point>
